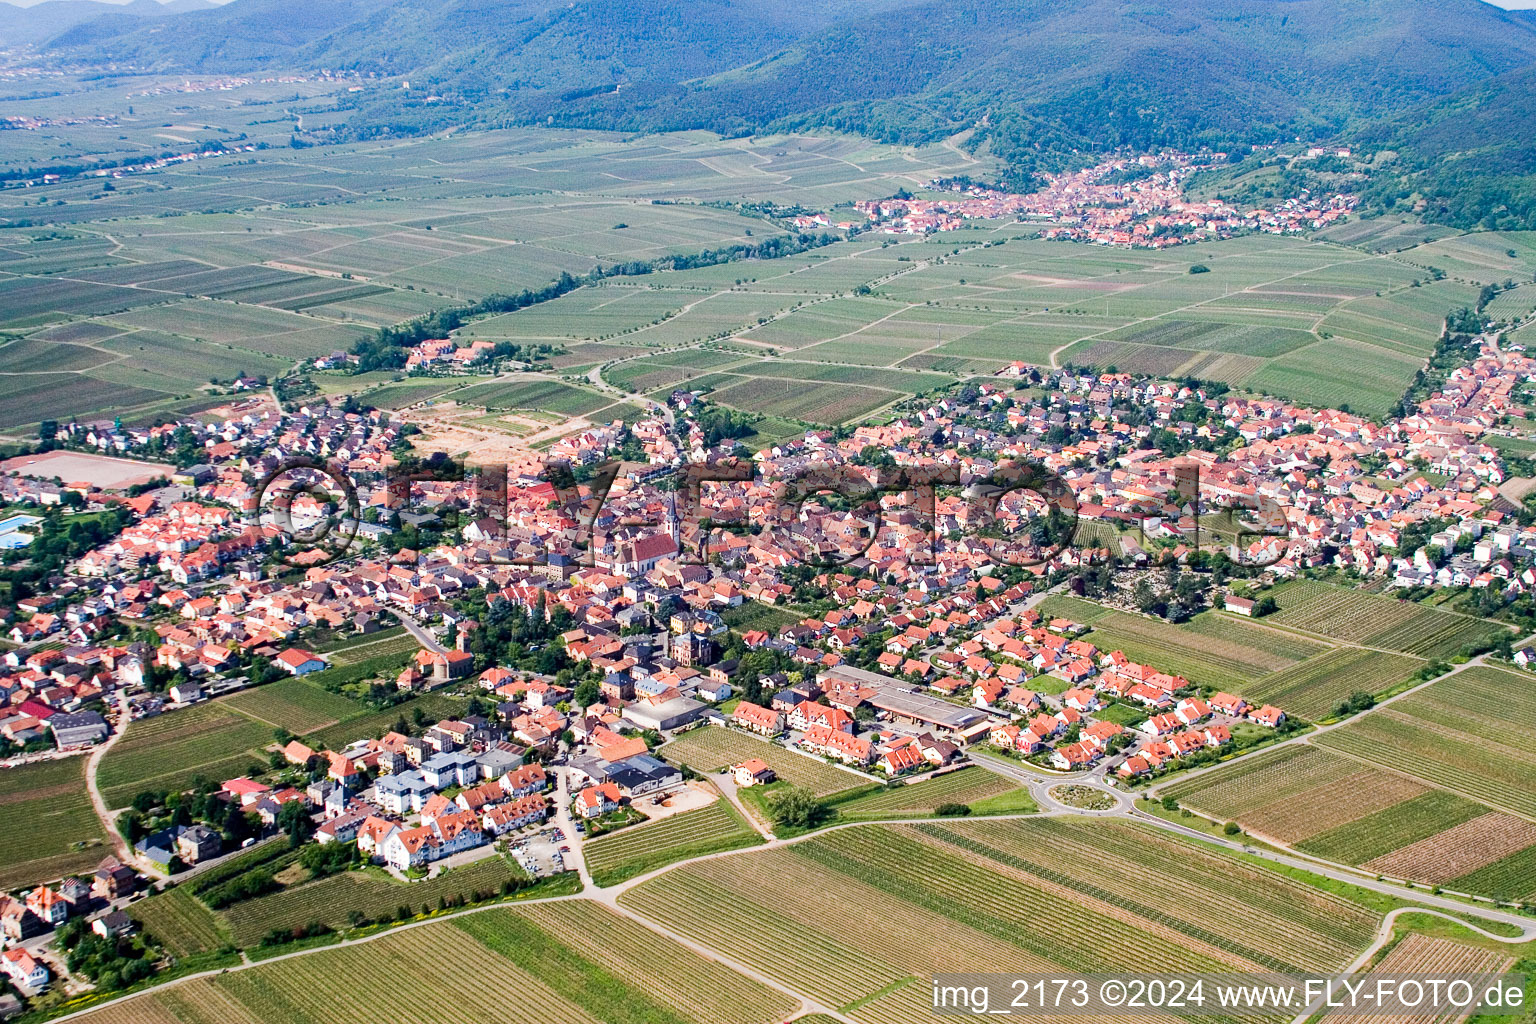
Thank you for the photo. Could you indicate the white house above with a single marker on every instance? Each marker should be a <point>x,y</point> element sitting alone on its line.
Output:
<point>299,662</point>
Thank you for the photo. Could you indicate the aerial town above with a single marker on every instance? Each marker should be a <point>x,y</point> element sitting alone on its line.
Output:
<point>1104,205</point>
<point>935,646</point>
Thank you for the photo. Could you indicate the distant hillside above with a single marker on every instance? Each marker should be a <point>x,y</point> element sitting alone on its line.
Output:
<point>30,26</point>
<point>1038,80</point>
<point>1467,160</point>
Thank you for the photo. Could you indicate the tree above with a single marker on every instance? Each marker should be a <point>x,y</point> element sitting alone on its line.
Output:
<point>294,819</point>
<point>793,807</point>
<point>586,693</point>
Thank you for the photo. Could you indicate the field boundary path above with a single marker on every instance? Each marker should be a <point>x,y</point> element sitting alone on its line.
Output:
<point>120,845</point>
<point>1384,935</point>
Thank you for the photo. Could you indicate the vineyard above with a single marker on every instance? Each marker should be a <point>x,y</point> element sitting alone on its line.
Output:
<point>603,962</point>
<point>1403,824</point>
<point>1074,609</point>
<point>982,790</point>
<point>874,907</point>
<point>167,751</point>
<point>1513,878</point>
<point>371,893</point>
<point>1421,956</point>
<point>1277,642</point>
<point>1313,688</point>
<point>435,706</point>
<point>1373,621</point>
<point>1462,850</point>
<point>1179,650</point>
<point>711,749</point>
<point>44,813</point>
<point>1252,782</point>
<point>294,704</point>
<point>1299,792</point>
<point>641,848</point>
<point>1445,735</point>
<point>177,920</point>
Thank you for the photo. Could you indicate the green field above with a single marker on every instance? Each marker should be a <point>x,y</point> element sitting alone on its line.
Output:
<point>1226,656</point>
<point>569,961</point>
<point>1342,807</point>
<point>294,704</point>
<point>231,268</point>
<point>372,893</point>
<point>911,896</point>
<point>711,749</point>
<point>169,751</point>
<point>650,845</point>
<point>177,920</point>
<point>543,395</point>
<point>750,615</point>
<point>1313,688</point>
<point>435,706</point>
<point>48,828</point>
<point>1444,735</point>
<point>1370,620</point>
<point>981,790</point>
<point>1391,828</point>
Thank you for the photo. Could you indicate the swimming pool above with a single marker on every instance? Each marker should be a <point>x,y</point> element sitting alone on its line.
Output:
<point>10,524</point>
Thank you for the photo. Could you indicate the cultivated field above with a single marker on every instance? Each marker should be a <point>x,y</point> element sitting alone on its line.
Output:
<point>435,706</point>
<point>1379,813</point>
<point>136,311</point>
<point>1315,687</point>
<point>710,749</point>
<point>211,741</point>
<point>982,790</point>
<point>294,704</point>
<point>1446,735</point>
<point>1425,957</point>
<point>1294,792</point>
<point>566,962</point>
<point>1373,621</point>
<point>178,921</point>
<point>876,910</point>
<point>640,848</point>
<point>1220,656</point>
<point>1385,829</point>
<point>372,893</point>
<point>47,826</point>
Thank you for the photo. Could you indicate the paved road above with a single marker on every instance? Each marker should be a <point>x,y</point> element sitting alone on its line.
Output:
<point>423,635</point>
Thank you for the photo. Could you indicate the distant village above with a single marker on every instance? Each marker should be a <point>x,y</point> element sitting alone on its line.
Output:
<point>1104,205</point>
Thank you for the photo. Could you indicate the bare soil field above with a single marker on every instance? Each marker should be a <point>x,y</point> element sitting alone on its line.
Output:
<point>100,471</point>
<point>1458,851</point>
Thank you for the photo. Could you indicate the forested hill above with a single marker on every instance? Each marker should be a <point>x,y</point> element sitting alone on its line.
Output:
<point>42,22</point>
<point>1037,79</point>
<point>1468,160</point>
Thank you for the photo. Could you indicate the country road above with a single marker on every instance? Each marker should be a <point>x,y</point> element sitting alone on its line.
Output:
<point>120,846</point>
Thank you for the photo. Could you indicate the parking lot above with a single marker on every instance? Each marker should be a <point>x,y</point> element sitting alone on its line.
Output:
<point>539,854</point>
